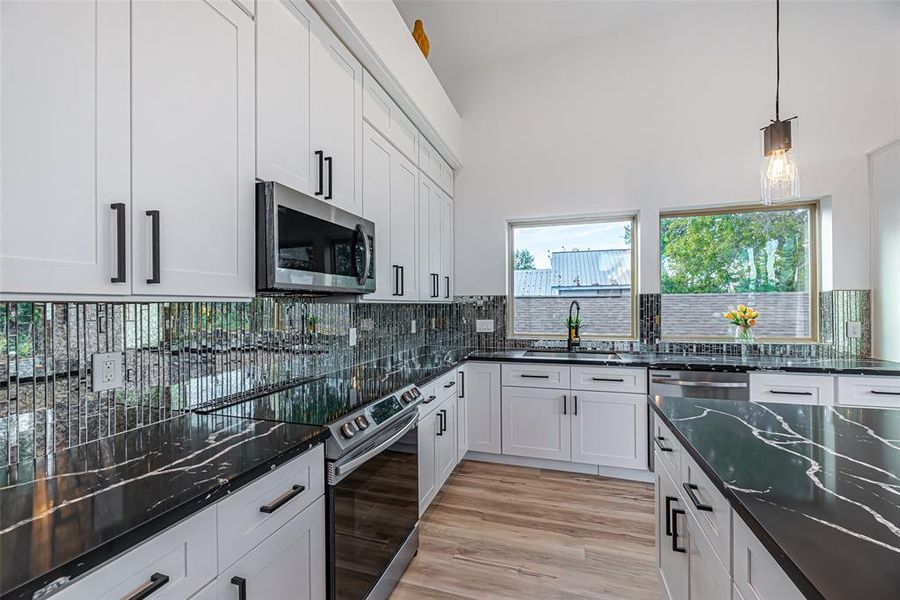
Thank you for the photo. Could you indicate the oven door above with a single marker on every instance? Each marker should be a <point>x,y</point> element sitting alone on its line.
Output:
<point>310,245</point>
<point>374,507</point>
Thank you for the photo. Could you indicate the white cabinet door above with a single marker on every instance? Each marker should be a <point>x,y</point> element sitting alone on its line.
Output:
<point>875,392</point>
<point>428,481</point>
<point>377,202</point>
<point>382,112</point>
<point>446,441</point>
<point>672,561</point>
<point>404,219</point>
<point>336,119</point>
<point>481,387</point>
<point>193,148</point>
<point>536,423</point>
<point>609,429</point>
<point>64,146</point>
<point>446,248</point>
<point>791,388</point>
<point>282,93</point>
<point>707,576</point>
<point>757,576</point>
<point>429,240</point>
<point>462,419</point>
<point>288,564</point>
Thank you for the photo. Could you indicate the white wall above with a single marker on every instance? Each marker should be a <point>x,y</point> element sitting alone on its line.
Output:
<point>665,113</point>
<point>884,168</point>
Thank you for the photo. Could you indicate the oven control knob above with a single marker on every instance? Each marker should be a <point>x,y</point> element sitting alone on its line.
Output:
<point>347,430</point>
<point>362,422</point>
<point>406,397</point>
<point>415,392</point>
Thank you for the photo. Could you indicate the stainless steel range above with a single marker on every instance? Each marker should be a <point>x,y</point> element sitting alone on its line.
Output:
<point>372,495</point>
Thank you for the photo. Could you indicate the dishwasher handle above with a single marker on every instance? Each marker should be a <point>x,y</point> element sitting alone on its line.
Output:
<point>709,384</point>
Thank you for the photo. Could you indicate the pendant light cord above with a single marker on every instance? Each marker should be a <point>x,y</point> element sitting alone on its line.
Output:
<point>777,55</point>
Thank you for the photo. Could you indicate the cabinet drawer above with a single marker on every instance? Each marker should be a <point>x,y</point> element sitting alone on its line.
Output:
<point>787,388</point>
<point>666,446</point>
<point>385,116</point>
<point>708,507</point>
<point>535,376</point>
<point>242,522</point>
<point>877,392</point>
<point>609,379</point>
<point>185,553</point>
<point>756,574</point>
<point>708,577</point>
<point>436,392</point>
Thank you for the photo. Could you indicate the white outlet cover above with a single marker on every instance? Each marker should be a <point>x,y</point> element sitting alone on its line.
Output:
<point>353,336</point>
<point>412,326</point>
<point>484,325</point>
<point>107,371</point>
<point>854,329</point>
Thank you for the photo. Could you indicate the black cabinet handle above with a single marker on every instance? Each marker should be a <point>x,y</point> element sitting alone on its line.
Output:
<point>689,488</point>
<point>565,401</point>
<point>462,384</point>
<point>154,246</point>
<point>615,379</point>
<point>527,376</point>
<point>675,534</point>
<point>241,584</point>
<point>402,280</point>
<point>157,580</point>
<point>575,398</point>
<point>440,416</point>
<point>283,499</point>
<point>330,179</point>
<point>119,207</point>
<point>669,501</point>
<point>429,400</point>
<point>444,420</point>
<point>447,294</point>
<point>658,441</point>
<point>879,393</point>
<point>449,384</point>
<point>321,187</point>
<point>785,393</point>
<point>396,291</point>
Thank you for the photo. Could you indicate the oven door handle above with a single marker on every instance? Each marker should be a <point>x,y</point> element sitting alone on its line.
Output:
<point>341,470</point>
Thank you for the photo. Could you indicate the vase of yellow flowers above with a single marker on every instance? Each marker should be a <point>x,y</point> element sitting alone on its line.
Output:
<point>744,320</point>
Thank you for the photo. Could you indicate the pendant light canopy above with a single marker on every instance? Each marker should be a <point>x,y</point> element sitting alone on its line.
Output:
<point>778,173</point>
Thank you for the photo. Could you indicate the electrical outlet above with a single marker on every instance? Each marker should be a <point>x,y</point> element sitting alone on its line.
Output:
<point>352,336</point>
<point>106,371</point>
<point>854,329</point>
<point>484,325</point>
<point>412,326</point>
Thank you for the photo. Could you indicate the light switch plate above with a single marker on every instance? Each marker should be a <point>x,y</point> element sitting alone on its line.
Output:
<point>854,329</point>
<point>107,371</point>
<point>484,325</point>
<point>352,336</point>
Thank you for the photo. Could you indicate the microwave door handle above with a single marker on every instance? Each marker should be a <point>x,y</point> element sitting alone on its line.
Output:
<point>364,275</point>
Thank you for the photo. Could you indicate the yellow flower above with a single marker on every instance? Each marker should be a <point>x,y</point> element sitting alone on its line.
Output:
<point>751,322</point>
<point>755,314</point>
<point>742,308</point>
<point>726,315</point>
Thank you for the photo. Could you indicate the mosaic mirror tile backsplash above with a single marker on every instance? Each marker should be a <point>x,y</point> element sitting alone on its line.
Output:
<point>181,356</point>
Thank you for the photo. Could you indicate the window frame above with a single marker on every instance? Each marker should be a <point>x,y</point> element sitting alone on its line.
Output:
<point>814,208</point>
<point>512,225</point>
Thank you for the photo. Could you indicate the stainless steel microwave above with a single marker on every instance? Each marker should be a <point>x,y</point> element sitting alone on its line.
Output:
<point>306,245</point>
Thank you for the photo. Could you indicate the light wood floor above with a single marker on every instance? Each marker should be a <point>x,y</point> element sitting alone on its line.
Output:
<point>499,531</point>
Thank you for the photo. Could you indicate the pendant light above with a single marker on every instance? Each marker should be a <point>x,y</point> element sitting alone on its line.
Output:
<point>778,174</point>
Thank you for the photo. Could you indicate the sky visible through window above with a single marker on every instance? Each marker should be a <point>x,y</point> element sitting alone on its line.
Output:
<point>543,240</point>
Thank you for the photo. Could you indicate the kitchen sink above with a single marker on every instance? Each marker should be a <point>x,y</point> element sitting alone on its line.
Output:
<point>571,355</point>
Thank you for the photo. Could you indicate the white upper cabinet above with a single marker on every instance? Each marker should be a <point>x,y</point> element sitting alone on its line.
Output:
<point>335,120</point>
<point>192,148</point>
<point>283,153</point>
<point>64,159</point>
<point>429,240</point>
<point>404,218</point>
<point>447,247</point>
<point>385,116</point>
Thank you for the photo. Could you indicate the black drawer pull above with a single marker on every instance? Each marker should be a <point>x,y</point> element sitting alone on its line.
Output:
<point>119,207</point>
<point>429,400</point>
<point>527,376</point>
<point>689,488</point>
<point>576,404</point>
<point>462,384</point>
<point>449,384</point>
<point>675,534</point>
<point>157,580</point>
<point>283,499</point>
<point>617,380</point>
<point>878,393</point>
<point>329,195</point>
<point>786,393</point>
<point>658,441</point>
<point>154,246</point>
<point>669,501</point>
<point>440,416</point>
<point>241,584</point>
<point>321,186</point>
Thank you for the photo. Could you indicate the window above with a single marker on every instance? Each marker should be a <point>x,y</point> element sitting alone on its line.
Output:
<point>711,262</point>
<point>555,262</point>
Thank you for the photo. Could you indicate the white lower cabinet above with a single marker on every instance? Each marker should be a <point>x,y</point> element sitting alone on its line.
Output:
<point>288,564</point>
<point>671,553</point>
<point>708,579</point>
<point>462,423</point>
<point>792,388</point>
<point>428,428</point>
<point>609,428</point>
<point>480,385</point>
<point>536,423</point>
<point>867,391</point>
<point>437,447</point>
<point>756,574</point>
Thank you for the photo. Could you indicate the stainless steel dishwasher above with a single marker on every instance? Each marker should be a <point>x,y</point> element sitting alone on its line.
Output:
<point>695,384</point>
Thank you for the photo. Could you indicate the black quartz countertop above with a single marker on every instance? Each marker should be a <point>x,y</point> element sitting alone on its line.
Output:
<point>67,512</point>
<point>698,362</point>
<point>819,486</point>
